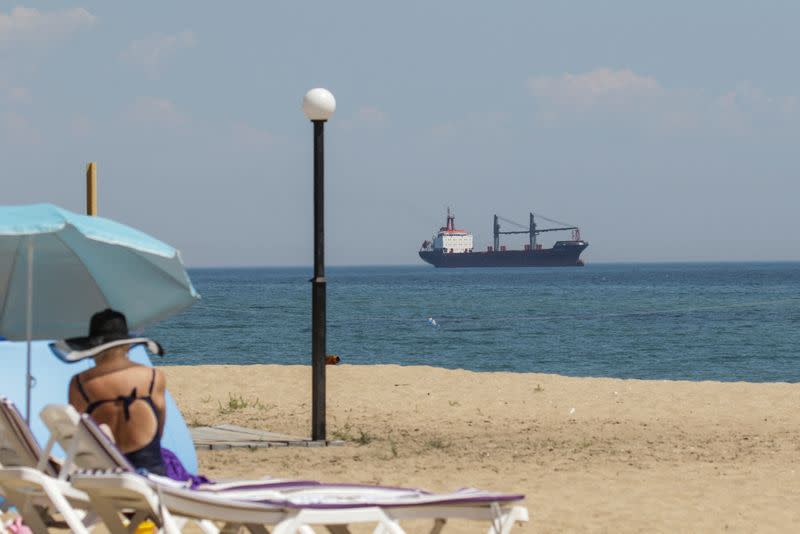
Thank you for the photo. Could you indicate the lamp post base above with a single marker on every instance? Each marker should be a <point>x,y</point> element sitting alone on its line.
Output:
<point>318,431</point>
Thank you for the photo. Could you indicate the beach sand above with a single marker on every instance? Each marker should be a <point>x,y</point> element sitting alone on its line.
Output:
<point>590,454</point>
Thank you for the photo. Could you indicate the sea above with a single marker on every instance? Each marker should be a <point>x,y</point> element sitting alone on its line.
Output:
<point>676,321</point>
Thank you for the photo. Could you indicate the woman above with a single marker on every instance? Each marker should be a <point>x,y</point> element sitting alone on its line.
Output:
<point>127,397</point>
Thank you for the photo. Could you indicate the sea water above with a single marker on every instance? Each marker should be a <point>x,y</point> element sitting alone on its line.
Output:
<point>714,321</point>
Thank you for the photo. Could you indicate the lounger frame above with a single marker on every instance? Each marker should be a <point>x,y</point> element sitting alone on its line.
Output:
<point>31,482</point>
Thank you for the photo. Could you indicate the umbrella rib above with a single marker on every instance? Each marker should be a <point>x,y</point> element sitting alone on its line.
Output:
<point>85,266</point>
<point>11,276</point>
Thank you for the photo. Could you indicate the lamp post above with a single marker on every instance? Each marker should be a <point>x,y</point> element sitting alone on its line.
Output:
<point>318,106</point>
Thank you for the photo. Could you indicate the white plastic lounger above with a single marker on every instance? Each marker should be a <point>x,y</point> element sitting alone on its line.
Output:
<point>335,506</point>
<point>290,506</point>
<point>35,484</point>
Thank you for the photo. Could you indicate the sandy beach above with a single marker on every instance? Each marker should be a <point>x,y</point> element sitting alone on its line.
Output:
<point>590,454</point>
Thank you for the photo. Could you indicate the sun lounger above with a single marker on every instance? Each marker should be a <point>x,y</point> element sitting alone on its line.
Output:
<point>287,505</point>
<point>335,506</point>
<point>35,484</point>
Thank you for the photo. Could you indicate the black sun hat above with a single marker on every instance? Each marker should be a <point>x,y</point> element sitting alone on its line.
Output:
<point>107,329</point>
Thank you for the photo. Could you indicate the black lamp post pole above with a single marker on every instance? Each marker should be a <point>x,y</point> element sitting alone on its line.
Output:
<point>318,289</point>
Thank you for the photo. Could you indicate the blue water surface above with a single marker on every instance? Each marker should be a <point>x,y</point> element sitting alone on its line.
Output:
<point>717,321</point>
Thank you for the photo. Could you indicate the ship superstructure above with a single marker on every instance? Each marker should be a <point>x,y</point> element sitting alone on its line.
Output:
<point>454,248</point>
<point>451,239</point>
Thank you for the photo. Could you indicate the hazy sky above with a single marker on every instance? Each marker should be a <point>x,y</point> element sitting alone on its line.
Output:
<point>666,130</point>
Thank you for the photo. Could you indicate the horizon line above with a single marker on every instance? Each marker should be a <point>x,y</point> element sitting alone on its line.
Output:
<point>605,262</point>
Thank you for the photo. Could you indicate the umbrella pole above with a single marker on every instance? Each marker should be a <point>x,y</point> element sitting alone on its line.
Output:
<point>29,332</point>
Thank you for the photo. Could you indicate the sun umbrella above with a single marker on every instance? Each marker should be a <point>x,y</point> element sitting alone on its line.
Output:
<point>57,268</point>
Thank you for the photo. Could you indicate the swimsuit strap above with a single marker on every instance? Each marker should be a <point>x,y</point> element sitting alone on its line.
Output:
<point>126,400</point>
<point>94,405</point>
<point>80,388</point>
<point>152,383</point>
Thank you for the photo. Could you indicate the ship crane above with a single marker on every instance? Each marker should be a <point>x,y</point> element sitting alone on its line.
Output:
<point>532,231</point>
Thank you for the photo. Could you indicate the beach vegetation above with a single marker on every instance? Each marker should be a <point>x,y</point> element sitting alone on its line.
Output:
<point>364,438</point>
<point>343,433</point>
<point>338,434</point>
<point>347,433</point>
<point>239,402</point>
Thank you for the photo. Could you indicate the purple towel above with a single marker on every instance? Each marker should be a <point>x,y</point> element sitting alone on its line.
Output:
<point>176,471</point>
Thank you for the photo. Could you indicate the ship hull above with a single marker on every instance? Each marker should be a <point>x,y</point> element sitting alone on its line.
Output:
<point>565,254</point>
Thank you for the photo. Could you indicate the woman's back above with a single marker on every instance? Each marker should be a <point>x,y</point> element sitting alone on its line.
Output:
<point>130,399</point>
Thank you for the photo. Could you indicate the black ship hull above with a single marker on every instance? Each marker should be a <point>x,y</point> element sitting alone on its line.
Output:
<point>563,254</point>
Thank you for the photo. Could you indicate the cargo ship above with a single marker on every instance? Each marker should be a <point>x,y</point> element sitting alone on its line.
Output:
<point>451,247</point>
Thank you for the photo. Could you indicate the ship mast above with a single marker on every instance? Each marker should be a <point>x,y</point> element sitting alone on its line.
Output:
<point>496,234</point>
<point>532,231</point>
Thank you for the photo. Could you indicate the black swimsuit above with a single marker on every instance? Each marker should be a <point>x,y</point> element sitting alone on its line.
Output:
<point>148,457</point>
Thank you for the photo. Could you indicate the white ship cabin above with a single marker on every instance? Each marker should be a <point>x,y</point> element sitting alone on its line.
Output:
<point>450,240</point>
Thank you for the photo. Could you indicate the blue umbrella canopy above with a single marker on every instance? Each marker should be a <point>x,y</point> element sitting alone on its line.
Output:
<point>80,265</point>
<point>57,268</point>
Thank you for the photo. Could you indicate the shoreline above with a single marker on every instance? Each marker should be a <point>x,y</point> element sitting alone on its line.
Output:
<point>595,454</point>
<point>160,365</point>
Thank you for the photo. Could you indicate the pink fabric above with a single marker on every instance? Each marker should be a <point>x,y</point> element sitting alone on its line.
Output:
<point>17,527</point>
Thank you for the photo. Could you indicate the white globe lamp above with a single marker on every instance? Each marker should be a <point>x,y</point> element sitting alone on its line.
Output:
<point>319,104</point>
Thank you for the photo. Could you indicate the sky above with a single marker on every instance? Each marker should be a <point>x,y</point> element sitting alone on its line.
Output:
<point>668,131</point>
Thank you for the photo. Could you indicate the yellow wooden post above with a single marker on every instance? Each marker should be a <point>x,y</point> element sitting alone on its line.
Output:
<point>91,189</point>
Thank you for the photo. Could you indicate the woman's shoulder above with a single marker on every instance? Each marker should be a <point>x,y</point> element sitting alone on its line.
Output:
<point>100,371</point>
<point>146,370</point>
<point>155,375</point>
